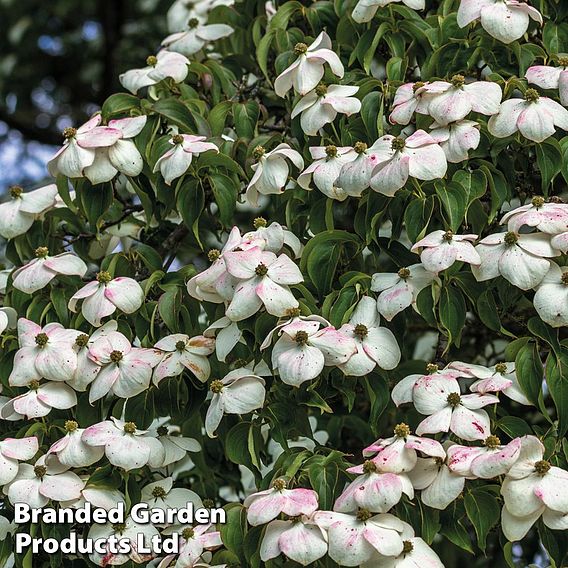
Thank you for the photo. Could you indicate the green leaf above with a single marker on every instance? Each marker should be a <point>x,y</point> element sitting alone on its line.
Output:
<point>327,477</point>
<point>234,531</point>
<point>190,203</point>
<point>483,511</point>
<point>168,307</point>
<point>454,199</point>
<point>557,381</point>
<point>452,312</point>
<point>549,160</point>
<point>246,116</point>
<point>530,372</point>
<point>218,116</point>
<point>225,191</point>
<point>372,113</point>
<point>178,113</point>
<point>119,104</point>
<point>487,310</point>
<point>417,216</point>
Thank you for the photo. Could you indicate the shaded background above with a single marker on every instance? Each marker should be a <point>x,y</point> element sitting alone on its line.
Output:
<point>59,60</point>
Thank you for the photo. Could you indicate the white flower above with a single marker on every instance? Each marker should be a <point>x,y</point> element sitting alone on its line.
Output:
<point>175,445</point>
<point>307,71</point>
<point>560,242</point>
<point>273,238</point>
<point>271,171</point>
<point>40,271</point>
<point>551,218</point>
<point>122,156</point>
<point>19,214</point>
<point>505,20</point>
<point>400,290</point>
<point>195,37</point>
<point>125,446</point>
<point>320,106</point>
<point>551,78</point>
<point>440,249</point>
<point>240,392</point>
<point>518,258</point>
<point>375,345</point>
<point>365,10</point>
<point>8,319</point>
<point>408,99</point>
<point>72,451</point>
<point>193,541</point>
<point>535,117</point>
<point>355,175</point>
<point>175,162</point>
<point>181,11</point>
<point>159,67</point>
<point>13,450</point>
<point>102,296</point>
<point>418,156</point>
<point>457,139</point>
<point>226,333</point>
<point>551,298</point>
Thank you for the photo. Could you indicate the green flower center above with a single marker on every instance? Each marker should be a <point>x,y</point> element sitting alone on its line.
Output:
<point>104,277</point>
<point>82,340</point>
<point>501,368</point>
<point>492,442</point>
<point>542,467</point>
<point>369,467</point>
<point>40,471</point>
<point>187,533</point>
<point>34,385</point>
<point>331,151</point>
<point>300,48</point>
<point>418,85</point>
<point>71,425</point>
<point>213,255</point>
<point>158,492</point>
<point>321,90</point>
<point>364,515</point>
<point>261,270</point>
<point>454,399</point>
<point>119,528</point>
<point>259,222</point>
<point>510,239</point>
<point>162,431</point>
<point>41,339</point>
<point>360,147</point>
<point>457,81</point>
<point>69,133</point>
<point>564,278</point>
<point>177,139</point>
<point>531,95</point>
<point>279,484</point>
<point>116,356</point>
<point>16,191</point>
<point>432,368</point>
<point>193,23</point>
<point>448,236</point>
<point>180,346</point>
<point>293,312</point>
<point>258,152</point>
<point>151,61</point>
<point>407,547</point>
<point>41,252</point>
<point>129,427</point>
<point>216,386</point>
<point>563,61</point>
<point>398,144</point>
<point>404,273</point>
<point>301,337</point>
<point>537,201</point>
<point>361,331</point>
<point>402,430</point>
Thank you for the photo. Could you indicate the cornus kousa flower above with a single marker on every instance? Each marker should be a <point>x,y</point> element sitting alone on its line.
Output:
<point>531,488</point>
<point>13,450</point>
<point>551,78</point>
<point>535,117</point>
<point>175,445</point>
<point>400,289</point>
<point>195,37</point>
<point>122,156</point>
<point>240,392</point>
<point>325,169</point>
<point>175,162</point>
<point>551,298</point>
<point>72,451</point>
<point>356,539</point>
<point>320,106</point>
<point>226,333</point>
<point>418,156</point>
<point>181,11</point>
<point>410,98</point>
<point>439,398</point>
<point>264,280</point>
<point>125,446</point>
<point>365,10</point>
<point>273,237</point>
<point>8,319</point>
<point>36,484</point>
<point>102,296</point>
<point>159,67</point>
<point>551,218</point>
<point>453,101</point>
<point>519,258</point>
<point>560,242</point>
<point>440,249</point>
<point>182,352</point>
<point>40,271</point>
<point>271,171</point>
<point>375,345</point>
<point>193,542</point>
<point>457,139</point>
<point>355,175</point>
<point>19,214</point>
<point>308,69</point>
<point>505,20</point>
<point>303,350</point>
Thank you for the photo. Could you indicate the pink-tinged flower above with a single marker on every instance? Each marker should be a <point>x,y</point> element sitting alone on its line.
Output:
<point>274,238</point>
<point>72,451</point>
<point>264,280</point>
<point>373,490</point>
<point>303,350</point>
<point>520,259</point>
<point>226,334</point>
<point>325,170</point>
<point>560,242</point>
<point>129,531</point>
<point>193,542</point>
<point>547,77</point>
<point>102,296</point>
<point>457,139</point>
<point>122,156</point>
<point>239,392</point>
<point>398,454</point>
<point>532,487</point>
<point>195,37</point>
<point>265,506</point>
<point>36,484</point>
<point>78,151</point>
<point>551,218</point>
<point>485,462</point>
<point>125,446</point>
<point>453,101</point>
<point>8,319</point>
<point>505,20</point>
<point>40,271</point>
<point>375,345</point>
<point>307,71</point>
<point>418,156</point>
<point>271,171</point>
<point>321,106</point>
<point>400,289</point>
<point>355,175</point>
<point>102,497</point>
<point>365,10</point>
<point>175,445</point>
<point>409,98</point>
<point>446,409</point>
<point>551,298</point>
<point>13,450</point>
<point>500,378</point>
<point>19,214</point>
<point>126,371</point>
<point>440,249</point>
<point>39,400</point>
<point>182,352</point>
<point>356,539</point>
<point>44,352</point>
<point>535,117</point>
<point>301,540</point>
<point>175,162</point>
<point>181,11</point>
<point>165,64</point>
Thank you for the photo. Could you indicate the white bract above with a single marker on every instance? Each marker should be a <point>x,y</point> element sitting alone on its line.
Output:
<point>456,139</point>
<point>551,298</point>
<point>195,37</point>
<point>440,249</point>
<point>547,77</point>
<point>365,10</point>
